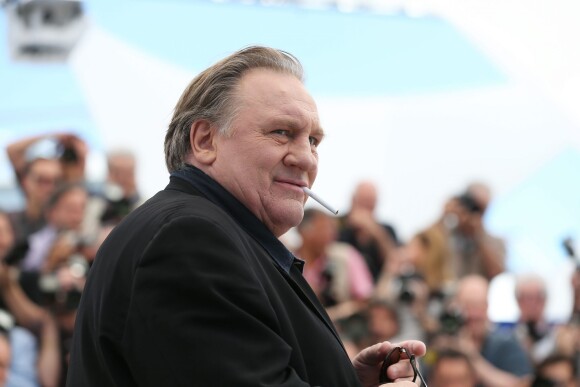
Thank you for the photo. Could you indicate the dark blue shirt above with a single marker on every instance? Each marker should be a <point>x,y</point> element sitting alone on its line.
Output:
<point>502,349</point>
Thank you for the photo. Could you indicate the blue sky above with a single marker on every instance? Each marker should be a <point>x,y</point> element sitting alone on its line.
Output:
<point>353,54</point>
<point>345,54</point>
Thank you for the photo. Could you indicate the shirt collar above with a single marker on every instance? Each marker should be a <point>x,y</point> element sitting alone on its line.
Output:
<point>218,195</point>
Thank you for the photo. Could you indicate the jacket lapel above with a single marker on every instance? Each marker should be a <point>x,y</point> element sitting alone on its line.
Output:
<point>304,291</point>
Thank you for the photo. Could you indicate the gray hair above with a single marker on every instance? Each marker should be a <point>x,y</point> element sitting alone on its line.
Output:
<point>210,96</point>
<point>530,278</point>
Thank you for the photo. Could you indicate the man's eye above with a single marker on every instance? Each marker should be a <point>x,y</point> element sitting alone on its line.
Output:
<point>282,132</point>
<point>313,141</point>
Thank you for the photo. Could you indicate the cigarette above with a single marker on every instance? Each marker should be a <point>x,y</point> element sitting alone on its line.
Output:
<point>324,204</point>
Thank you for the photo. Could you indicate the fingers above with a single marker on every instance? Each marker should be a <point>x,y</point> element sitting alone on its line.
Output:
<point>416,347</point>
<point>375,354</point>
<point>403,369</point>
<point>370,361</point>
<point>400,370</point>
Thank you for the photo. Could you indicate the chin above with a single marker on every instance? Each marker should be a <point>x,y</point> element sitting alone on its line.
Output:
<point>286,217</point>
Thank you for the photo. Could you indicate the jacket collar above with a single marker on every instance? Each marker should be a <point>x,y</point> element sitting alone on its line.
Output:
<point>218,195</point>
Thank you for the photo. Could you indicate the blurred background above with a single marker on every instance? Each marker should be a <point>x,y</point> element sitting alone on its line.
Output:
<point>422,97</point>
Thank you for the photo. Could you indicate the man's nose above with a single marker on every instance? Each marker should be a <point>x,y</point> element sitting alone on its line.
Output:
<point>301,155</point>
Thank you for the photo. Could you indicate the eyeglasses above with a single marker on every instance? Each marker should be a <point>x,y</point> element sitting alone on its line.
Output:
<point>393,357</point>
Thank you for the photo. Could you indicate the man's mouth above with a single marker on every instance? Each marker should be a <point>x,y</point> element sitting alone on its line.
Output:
<point>293,184</point>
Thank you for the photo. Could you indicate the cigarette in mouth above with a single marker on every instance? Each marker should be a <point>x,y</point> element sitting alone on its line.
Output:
<point>324,204</point>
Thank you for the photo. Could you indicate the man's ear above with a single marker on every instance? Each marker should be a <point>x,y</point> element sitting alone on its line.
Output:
<point>202,136</point>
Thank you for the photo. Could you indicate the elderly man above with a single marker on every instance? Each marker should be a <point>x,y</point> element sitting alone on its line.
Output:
<point>376,241</point>
<point>117,196</point>
<point>536,334</point>
<point>496,355</point>
<point>193,288</point>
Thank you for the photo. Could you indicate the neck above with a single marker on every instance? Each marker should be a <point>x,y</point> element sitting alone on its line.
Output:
<point>33,210</point>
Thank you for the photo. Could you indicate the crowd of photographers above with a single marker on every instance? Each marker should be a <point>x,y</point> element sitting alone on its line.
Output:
<point>46,250</point>
<point>433,287</point>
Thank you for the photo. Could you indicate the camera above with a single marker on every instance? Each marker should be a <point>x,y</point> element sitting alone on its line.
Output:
<point>69,155</point>
<point>405,285</point>
<point>116,205</point>
<point>406,294</point>
<point>468,202</point>
<point>327,295</point>
<point>451,321</point>
<point>540,381</point>
<point>17,253</point>
<point>55,293</point>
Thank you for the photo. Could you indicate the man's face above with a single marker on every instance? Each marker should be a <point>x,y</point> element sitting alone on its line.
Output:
<point>531,300</point>
<point>41,180</point>
<point>451,372</point>
<point>271,151</point>
<point>472,300</point>
<point>122,173</point>
<point>365,197</point>
<point>68,213</point>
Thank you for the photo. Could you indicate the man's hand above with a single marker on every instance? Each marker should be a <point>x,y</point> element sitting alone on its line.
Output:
<point>368,363</point>
<point>364,222</point>
<point>74,170</point>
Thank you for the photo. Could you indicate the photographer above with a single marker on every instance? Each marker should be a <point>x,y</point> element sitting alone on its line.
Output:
<point>117,196</point>
<point>68,148</point>
<point>458,243</point>
<point>336,271</point>
<point>45,282</point>
<point>36,354</point>
<point>402,283</point>
<point>376,241</point>
<point>497,356</point>
<point>537,335</point>
<point>34,346</point>
<point>38,181</point>
<point>40,164</point>
<point>476,250</point>
<point>60,238</point>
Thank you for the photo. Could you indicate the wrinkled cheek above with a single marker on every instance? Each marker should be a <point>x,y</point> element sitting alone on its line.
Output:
<point>312,176</point>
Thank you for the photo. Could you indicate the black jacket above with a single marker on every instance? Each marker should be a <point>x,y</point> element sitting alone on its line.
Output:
<point>181,294</point>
